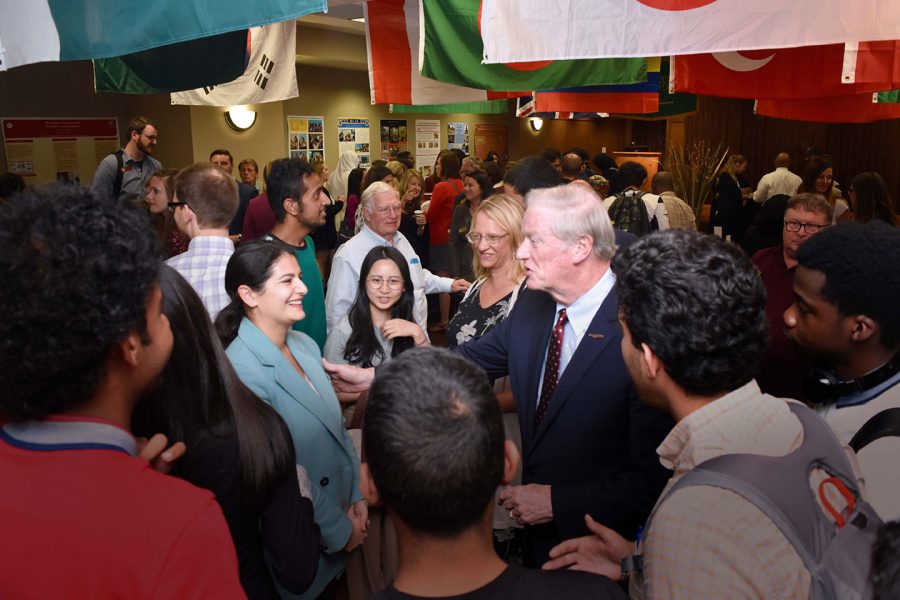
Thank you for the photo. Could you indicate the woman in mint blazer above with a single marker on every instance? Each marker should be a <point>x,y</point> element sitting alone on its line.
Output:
<point>284,368</point>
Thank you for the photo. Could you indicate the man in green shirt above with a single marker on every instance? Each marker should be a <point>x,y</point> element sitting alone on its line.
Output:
<point>298,201</point>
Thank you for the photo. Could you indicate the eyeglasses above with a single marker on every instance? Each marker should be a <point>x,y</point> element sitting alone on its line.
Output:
<point>492,240</point>
<point>795,226</point>
<point>384,210</point>
<point>174,205</point>
<point>375,282</point>
<point>152,138</point>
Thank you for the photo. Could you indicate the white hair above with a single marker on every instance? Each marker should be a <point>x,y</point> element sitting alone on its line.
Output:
<point>577,211</point>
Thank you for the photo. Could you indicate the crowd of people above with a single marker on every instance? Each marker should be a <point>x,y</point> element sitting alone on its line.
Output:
<point>227,388</point>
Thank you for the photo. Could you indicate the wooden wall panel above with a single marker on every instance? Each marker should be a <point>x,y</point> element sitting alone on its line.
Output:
<point>854,147</point>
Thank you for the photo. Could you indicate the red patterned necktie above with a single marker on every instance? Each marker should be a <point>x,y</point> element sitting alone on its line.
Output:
<point>551,371</point>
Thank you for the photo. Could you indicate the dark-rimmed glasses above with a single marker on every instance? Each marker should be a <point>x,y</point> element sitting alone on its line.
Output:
<point>795,226</point>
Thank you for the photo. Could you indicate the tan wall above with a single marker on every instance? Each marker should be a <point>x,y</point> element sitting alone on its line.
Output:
<point>56,90</point>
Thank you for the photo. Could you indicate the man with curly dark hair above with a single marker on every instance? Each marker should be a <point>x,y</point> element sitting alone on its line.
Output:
<point>82,338</point>
<point>674,287</point>
<point>845,315</point>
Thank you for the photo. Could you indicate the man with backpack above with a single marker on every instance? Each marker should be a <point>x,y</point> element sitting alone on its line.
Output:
<point>763,502</point>
<point>632,210</point>
<point>125,172</point>
<point>845,315</point>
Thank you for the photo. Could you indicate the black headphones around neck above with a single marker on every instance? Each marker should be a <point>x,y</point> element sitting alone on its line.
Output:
<point>822,386</point>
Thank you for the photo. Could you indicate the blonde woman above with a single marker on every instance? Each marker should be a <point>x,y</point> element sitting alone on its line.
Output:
<point>495,234</point>
<point>413,226</point>
<point>729,198</point>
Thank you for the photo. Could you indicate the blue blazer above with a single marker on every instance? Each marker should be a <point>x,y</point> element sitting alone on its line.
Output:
<point>320,439</point>
<point>596,445</point>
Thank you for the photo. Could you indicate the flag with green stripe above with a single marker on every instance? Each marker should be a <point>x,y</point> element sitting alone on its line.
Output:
<point>452,48</point>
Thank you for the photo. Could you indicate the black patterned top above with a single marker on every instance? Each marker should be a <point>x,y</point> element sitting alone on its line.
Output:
<point>471,321</point>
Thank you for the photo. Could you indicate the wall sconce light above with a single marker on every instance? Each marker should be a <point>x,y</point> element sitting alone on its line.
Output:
<point>536,123</point>
<point>240,118</point>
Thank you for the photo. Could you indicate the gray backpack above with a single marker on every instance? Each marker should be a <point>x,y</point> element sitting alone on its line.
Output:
<point>838,556</point>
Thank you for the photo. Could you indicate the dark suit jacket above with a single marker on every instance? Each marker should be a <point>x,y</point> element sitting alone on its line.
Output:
<point>596,445</point>
<point>245,193</point>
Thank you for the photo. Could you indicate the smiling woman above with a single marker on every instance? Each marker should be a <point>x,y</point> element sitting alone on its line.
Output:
<point>380,324</point>
<point>284,368</point>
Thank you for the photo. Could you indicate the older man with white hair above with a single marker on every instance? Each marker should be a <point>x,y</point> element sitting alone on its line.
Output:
<point>381,207</point>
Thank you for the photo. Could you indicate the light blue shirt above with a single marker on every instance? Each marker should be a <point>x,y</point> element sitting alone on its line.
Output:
<point>579,316</point>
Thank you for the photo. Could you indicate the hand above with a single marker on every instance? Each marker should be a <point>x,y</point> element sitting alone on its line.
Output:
<point>459,285</point>
<point>358,533</point>
<point>600,553</point>
<point>421,221</point>
<point>360,510</point>
<point>154,451</point>
<point>347,378</point>
<point>529,504</point>
<point>395,328</point>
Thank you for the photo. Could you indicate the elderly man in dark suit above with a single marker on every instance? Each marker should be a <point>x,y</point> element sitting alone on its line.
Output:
<point>588,442</point>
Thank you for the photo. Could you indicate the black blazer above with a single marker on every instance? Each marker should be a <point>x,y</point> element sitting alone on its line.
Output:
<point>596,445</point>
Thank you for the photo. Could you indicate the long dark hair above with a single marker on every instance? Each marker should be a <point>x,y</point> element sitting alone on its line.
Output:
<point>200,397</point>
<point>873,201</point>
<point>815,168</point>
<point>250,265</point>
<point>362,345</point>
<point>354,182</point>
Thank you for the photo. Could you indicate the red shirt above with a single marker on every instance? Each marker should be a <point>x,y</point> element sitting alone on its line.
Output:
<point>440,211</point>
<point>83,518</point>
<point>782,369</point>
<point>258,220</point>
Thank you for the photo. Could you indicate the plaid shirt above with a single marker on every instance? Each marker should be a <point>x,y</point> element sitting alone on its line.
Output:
<point>680,214</point>
<point>203,265</point>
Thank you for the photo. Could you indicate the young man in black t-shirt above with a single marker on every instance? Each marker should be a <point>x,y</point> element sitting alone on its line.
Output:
<point>435,452</point>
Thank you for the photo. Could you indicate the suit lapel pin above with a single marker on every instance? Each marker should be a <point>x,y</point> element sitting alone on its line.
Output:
<point>596,336</point>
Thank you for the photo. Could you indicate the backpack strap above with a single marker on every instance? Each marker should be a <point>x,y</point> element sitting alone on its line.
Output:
<point>785,500</point>
<point>884,424</point>
<point>120,164</point>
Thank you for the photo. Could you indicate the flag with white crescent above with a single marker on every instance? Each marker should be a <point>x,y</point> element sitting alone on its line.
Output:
<point>535,30</point>
<point>808,72</point>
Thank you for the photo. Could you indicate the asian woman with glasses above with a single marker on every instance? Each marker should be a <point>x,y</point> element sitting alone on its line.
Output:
<point>380,324</point>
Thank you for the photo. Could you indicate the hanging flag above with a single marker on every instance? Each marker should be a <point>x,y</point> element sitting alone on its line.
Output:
<point>451,52</point>
<point>525,108</point>
<point>608,102</point>
<point>271,74</point>
<point>536,30</point>
<point>392,41</point>
<point>807,72</point>
<point>53,30</point>
<point>176,67</point>
<point>484,107</point>
<point>855,108</point>
<point>670,103</point>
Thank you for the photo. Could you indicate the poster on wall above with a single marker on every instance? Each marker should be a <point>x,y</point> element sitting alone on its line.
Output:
<point>393,138</point>
<point>458,136</point>
<point>489,136</point>
<point>428,144</point>
<point>353,136</point>
<point>46,150</point>
<point>306,138</point>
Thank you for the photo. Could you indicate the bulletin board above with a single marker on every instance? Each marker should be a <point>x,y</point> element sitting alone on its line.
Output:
<point>60,149</point>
